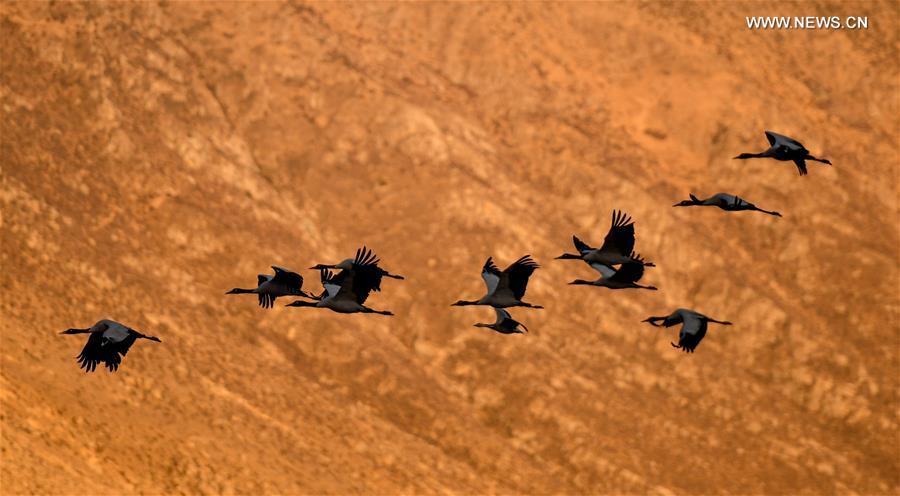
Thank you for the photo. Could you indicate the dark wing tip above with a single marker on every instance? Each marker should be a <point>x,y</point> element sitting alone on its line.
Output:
<point>368,257</point>
<point>527,261</point>
<point>490,266</point>
<point>621,219</point>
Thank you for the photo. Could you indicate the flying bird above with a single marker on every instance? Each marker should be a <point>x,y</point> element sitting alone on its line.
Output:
<point>505,288</point>
<point>625,277</point>
<point>505,324</point>
<point>724,201</point>
<point>617,246</point>
<point>785,149</point>
<point>107,341</point>
<point>270,287</point>
<point>365,260</point>
<point>345,292</point>
<point>693,327</point>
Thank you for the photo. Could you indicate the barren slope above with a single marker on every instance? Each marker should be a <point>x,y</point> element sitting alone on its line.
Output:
<point>154,156</point>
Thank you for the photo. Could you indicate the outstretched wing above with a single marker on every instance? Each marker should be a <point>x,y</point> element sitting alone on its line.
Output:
<point>620,238</point>
<point>801,165</point>
<point>362,282</point>
<point>367,274</point>
<point>491,275</point>
<point>120,348</point>
<point>287,279</point>
<point>98,349</point>
<point>365,256</point>
<point>505,321</point>
<point>605,270</point>
<point>581,246</point>
<point>502,315</point>
<point>331,283</point>
<point>782,140</point>
<point>693,323</point>
<point>92,353</point>
<point>518,273</point>
<point>692,332</point>
<point>265,300</point>
<point>630,272</point>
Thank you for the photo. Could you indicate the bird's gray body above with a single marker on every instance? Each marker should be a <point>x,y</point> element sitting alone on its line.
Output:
<point>505,288</point>
<point>617,248</point>
<point>505,324</point>
<point>347,291</point>
<point>107,343</point>
<point>724,201</point>
<point>625,277</point>
<point>365,262</point>
<point>693,327</point>
<point>785,149</point>
<point>270,287</point>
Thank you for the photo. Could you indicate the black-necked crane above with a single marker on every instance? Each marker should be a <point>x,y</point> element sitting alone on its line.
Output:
<point>505,323</point>
<point>617,246</point>
<point>787,150</point>
<point>724,201</point>
<point>693,327</point>
<point>505,288</point>
<point>366,259</point>
<point>347,291</point>
<point>108,342</point>
<point>269,287</point>
<point>627,275</point>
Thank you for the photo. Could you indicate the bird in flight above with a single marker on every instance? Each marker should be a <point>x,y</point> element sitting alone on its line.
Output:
<point>724,201</point>
<point>347,291</point>
<point>366,261</point>
<point>787,150</point>
<point>627,275</point>
<point>505,288</point>
<point>618,246</point>
<point>505,323</point>
<point>108,342</point>
<point>270,287</point>
<point>693,327</point>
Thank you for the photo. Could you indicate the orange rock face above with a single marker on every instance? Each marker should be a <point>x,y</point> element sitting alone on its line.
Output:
<point>154,156</point>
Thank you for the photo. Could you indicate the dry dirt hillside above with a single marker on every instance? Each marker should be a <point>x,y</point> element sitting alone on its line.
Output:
<point>155,155</point>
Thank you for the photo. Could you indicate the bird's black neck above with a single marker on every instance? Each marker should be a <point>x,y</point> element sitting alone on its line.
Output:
<point>240,291</point>
<point>462,303</point>
<point>301,303</point>
<point>568,256</point>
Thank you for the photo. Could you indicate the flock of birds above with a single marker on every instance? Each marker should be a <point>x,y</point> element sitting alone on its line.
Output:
<point>346,291</point>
